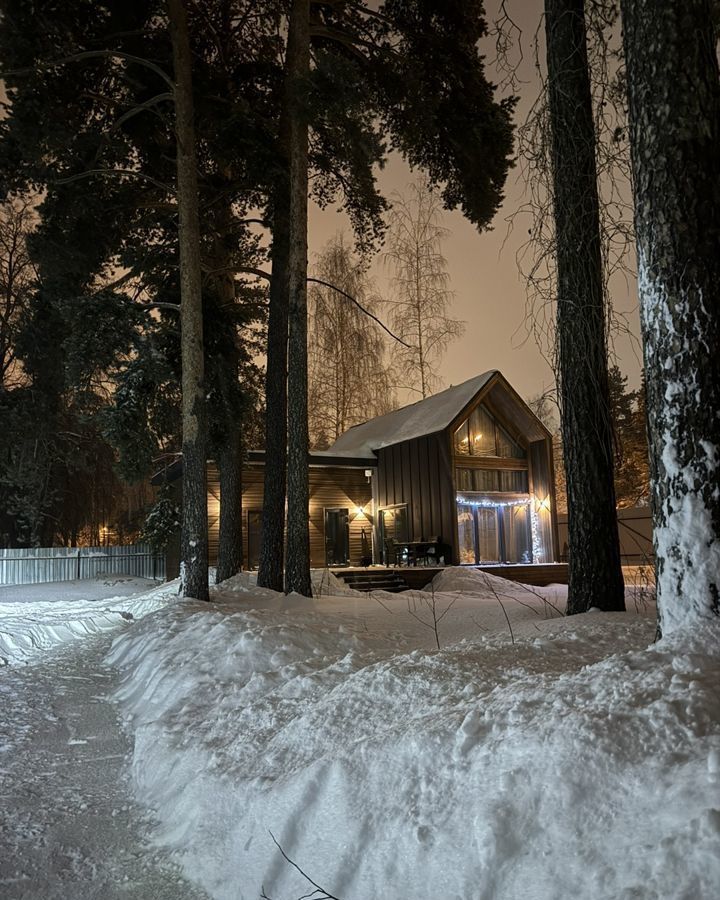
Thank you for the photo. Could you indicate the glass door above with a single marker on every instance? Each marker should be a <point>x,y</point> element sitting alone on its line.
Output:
<point>393,527</point>
<point>494,534</point>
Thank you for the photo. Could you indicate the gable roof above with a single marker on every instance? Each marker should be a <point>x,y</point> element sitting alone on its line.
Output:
<point>424,417</point>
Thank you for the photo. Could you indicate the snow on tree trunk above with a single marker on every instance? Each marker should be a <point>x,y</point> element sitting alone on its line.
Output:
<point>674,102</point>
<point>595,574</point>
<point>297,565</point>
<point>194,541</point>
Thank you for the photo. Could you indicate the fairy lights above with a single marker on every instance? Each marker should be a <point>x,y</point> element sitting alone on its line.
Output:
<point>491,504</point>
<point>537,547</point>
<point>538,551</point>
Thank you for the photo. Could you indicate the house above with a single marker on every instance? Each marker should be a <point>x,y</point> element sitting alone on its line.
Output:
<point>462,477</point>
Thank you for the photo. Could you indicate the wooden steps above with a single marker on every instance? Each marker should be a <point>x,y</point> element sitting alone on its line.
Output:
<point>374,580</point>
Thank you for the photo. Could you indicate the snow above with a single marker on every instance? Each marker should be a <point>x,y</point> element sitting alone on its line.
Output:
<point>424,417</point>
<point>35,618</point>
<point>531,756</point>
<point>685,531</point>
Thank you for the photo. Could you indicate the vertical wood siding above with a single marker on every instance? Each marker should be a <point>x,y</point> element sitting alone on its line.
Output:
<point>418,473</point>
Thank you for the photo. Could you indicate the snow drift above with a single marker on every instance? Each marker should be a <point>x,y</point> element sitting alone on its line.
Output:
<point>565,758</point>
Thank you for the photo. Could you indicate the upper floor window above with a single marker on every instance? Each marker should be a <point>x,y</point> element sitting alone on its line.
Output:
<point>480,435</point>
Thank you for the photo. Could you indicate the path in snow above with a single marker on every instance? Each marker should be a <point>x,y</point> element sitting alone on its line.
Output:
<point>69,828</point>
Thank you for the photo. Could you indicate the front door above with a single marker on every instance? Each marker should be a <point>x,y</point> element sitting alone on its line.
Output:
<point>254,534</point>
<point>337,537</point>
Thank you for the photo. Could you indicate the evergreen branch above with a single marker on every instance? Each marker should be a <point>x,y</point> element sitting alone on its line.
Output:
<point>158,98</point>
<point>175,307</point>
<point>90,172</point>
<point>93,54</point>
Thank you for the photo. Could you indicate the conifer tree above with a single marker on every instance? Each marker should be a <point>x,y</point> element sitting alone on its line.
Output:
<point>674,103</point>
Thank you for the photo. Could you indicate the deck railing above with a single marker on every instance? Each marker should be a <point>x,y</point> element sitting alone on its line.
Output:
<point>39,564</point>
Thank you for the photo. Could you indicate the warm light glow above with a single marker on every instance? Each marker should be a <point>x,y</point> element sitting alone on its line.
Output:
<point>359,511</point>
<point>544,504</point>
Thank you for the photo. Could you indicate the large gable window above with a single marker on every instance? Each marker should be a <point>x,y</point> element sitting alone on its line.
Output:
<point>492,480</point>
<point>480,435</point>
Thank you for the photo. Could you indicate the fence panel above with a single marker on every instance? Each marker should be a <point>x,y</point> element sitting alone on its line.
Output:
<point>32,565</point>
<point>634,530</point>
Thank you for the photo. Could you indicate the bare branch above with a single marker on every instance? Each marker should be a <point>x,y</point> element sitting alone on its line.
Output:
<point>360,307</point>
<point>320,893</point>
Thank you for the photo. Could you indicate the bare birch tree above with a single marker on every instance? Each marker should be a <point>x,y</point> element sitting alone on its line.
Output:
<point>17,279</point>
<point>421,286</point>
<point>350,378</point>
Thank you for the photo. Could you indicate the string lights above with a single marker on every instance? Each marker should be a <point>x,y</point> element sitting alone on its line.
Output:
<point>484,503</point>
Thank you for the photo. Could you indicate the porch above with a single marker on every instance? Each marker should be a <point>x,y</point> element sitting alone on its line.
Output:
<point>417,577</point>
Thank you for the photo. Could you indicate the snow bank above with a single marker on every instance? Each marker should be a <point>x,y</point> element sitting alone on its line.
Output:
<point>39,617</point>
<point>567,759</point>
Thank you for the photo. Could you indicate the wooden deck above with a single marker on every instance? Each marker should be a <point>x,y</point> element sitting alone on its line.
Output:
<point>418,576</point>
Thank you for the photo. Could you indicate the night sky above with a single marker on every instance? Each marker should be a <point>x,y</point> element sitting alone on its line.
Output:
<point>489,290</point>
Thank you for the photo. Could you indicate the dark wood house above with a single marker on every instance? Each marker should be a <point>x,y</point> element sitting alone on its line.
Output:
<point>462,477</point>
<point>469,469</point>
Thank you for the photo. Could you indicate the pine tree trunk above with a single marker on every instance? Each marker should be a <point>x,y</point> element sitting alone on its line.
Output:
<point>229,452</point>
<point>674,101</point>
<point>272,548</point>
<point>595,574</point>
<point>297,566</point>
<point>230,556</point>
<point>194,541</point>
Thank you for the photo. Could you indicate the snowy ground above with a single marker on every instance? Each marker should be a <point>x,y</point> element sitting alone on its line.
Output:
<point>531,756</point>
<point>35,618</point>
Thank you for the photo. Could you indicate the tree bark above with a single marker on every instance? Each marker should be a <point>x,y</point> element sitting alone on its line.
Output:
<point>230,555</point>
<point>194,541</point>
<point>595,574</point>
<point>229,447</point>
<point>272,548</point>
<point>674,103</point>
<point>297,566</point>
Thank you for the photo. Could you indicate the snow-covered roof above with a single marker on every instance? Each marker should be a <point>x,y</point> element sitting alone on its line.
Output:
<point>424,417</point>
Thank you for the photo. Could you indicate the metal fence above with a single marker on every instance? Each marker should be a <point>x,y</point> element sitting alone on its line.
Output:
<point>38,564</point>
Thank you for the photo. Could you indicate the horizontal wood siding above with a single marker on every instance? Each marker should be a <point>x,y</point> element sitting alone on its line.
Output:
<point>213,501</point>
<point>330,487</point>
<point>333,488</point>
